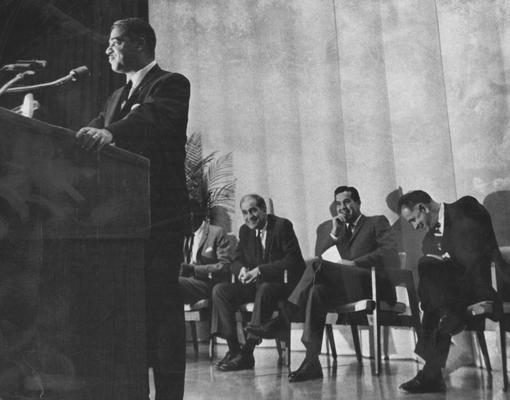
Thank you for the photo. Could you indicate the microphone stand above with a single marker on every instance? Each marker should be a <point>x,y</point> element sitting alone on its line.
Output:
<point>17,78</point>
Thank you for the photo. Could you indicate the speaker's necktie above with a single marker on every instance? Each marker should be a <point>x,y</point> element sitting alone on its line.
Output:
<point>124,96</point>
<point>121,111</point>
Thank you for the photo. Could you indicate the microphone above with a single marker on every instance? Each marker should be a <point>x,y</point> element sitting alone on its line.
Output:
<point>73,75</point>
<point>23,65</point>
<point>79,72</point>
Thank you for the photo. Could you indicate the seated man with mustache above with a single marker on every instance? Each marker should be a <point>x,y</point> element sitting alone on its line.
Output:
<point>267,248</point>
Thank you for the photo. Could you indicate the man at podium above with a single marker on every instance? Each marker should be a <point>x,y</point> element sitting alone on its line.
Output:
<point>148,116</point>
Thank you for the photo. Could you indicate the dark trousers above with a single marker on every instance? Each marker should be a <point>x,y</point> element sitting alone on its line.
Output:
<point>227,297</point>
<point>166,337</point>
<point>193,289</point>
<point>323,287</point>
<point>445,289</point>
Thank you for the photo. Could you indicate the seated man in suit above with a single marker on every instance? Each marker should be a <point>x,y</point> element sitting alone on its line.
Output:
<point>267,248</point>
<point>362,242</point>
<point>454,272</point>
<point>207,255</point>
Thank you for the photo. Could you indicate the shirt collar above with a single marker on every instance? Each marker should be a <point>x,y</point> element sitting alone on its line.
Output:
<point>138,76</point>
<point>262,230</point>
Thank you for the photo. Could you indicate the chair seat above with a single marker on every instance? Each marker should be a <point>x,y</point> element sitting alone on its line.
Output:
<point>398,308</point>
<point>361,305</point>
<point>369,305</point>
<point>199,305</point>
<point>480,308</point>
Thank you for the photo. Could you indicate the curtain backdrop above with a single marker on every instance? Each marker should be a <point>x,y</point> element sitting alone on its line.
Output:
<point>312,94</point>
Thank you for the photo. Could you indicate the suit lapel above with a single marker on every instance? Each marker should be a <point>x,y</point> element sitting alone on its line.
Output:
<point>203,239</point>
<point>151,75</point>
<point>113,106</point>
<point>357,228</point>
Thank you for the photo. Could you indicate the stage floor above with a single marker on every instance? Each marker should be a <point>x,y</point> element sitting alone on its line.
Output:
<point>348,380</point>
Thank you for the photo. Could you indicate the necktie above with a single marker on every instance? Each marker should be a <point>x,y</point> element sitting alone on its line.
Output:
<point>120,110</point>
<point>125,94</point>
<point>344,248</point>
<point>259,250</point>
<point>348,231</point>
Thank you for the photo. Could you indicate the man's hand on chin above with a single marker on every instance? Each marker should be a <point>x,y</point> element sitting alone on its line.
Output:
<point>93,138</point>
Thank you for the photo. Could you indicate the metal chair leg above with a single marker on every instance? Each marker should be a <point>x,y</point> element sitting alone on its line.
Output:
<point>385,341</point>
<point>212,343</point>
<point>377,342</point>
<point>331,340</point>
<point>483,347</point>
<point>194,336</point>
<point>355,339</point>
<point>502,341</point>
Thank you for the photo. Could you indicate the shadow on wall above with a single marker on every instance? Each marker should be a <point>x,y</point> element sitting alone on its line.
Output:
<point>498,205</point>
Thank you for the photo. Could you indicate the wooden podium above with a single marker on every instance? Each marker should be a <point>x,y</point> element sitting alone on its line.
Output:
<point>72,299</point>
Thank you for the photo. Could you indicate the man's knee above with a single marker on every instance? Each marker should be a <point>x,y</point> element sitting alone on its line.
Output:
<point>268,287</point>
<point>222,291</point>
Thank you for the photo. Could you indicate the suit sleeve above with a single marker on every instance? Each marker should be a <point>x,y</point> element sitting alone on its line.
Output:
<point>223,257</point>
<point>165,106</point>
<point>240,253</point>
<point>324,240</point>
<point>478,238</point>
<point>97,122</point>
<point>385,251</point>
<point>291,254</point>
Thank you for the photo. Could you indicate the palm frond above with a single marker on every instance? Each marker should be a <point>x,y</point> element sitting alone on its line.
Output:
<point>210,179</point>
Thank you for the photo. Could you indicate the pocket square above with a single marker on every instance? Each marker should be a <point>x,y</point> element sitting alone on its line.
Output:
<point>209,250</point>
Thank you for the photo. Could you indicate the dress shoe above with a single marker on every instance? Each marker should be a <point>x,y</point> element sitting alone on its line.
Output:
<point>451,324</point>
<point>238,363</point>
<point>422,384</point>
<point>271,329</point>
<point>225,359</point>
<point>309,369</point>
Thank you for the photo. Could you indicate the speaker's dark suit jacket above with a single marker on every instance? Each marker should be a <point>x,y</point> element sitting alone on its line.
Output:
<point>282,253</point>
<point>153,123</point>
<point>455,272</point>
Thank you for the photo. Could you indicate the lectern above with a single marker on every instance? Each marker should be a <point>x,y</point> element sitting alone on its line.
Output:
<point>72,301</point>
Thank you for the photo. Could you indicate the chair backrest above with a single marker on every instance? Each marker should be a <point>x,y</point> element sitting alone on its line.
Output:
<point>270,205</point>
